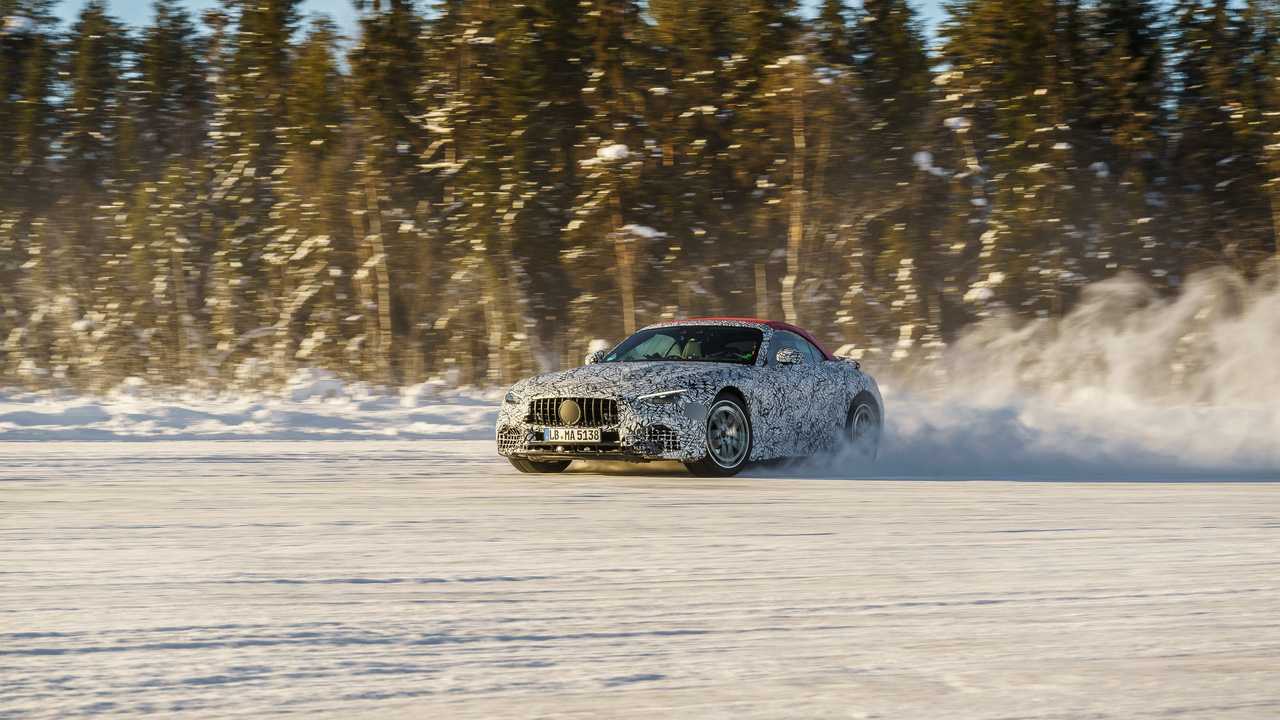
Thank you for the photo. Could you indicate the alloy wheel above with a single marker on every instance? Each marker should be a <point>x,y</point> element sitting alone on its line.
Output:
<point>728,435</point>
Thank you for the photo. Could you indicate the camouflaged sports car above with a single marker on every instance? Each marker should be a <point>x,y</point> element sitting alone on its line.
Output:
<point>713,393</point>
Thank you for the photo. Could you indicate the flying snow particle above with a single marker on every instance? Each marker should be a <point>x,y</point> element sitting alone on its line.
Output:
<point>17,24</point>
<point>979,294</point>
<point>644,231</point>
<point>850,350</point>
<point>924,161</point>
<point>614,152</point>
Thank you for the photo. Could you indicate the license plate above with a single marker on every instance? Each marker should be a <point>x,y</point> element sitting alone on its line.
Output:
<point>571,435</point>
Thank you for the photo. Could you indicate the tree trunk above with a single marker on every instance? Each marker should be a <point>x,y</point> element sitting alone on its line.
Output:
<point>795,233</point>
<point>624,249</point>
<point>495,320</point>
<point>383,347</point>
<point>1275,223</point>
<point>762,290</point>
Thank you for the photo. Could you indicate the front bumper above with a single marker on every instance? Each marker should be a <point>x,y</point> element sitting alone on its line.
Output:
<point>644,432</point>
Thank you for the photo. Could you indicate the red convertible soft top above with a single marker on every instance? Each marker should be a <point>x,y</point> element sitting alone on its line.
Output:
<point>777,325</point>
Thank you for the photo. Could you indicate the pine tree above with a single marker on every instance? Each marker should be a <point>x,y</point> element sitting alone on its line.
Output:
<point>474,123</point>
<point>171,95</point>
<point>1263,116</point>
<point>769,156</point>
<point>153,209</point>
<point>1212,166</point>
<point>1254,109</point>
<point>543,94</point>
<point>95,139</point>
<point>895,88</point>
<point>833,37</point>
<point>701,196</point>
<point>26,74</point>
<point>92,116</point>
<point>27,47</point>
<point>253,92</point>
<point>386,67</point>
<point>612,241</point>
<point>1004,82</point>
<point>839,129</point>
<point>307,271</point>
<point>895,82</point>
<point>1121,131</point>
<point>448,258</point>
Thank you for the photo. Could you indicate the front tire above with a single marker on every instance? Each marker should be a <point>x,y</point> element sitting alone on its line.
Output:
<point>728,439</point>
<point>533,466</point>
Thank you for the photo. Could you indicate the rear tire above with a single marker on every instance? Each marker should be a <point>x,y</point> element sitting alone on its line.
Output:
<point>862,428</point>
<point>534,466</point>
<point>728,439</point>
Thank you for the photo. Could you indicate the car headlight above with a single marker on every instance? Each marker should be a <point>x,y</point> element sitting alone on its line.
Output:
<point>511,398</point>
<point>666,397</point>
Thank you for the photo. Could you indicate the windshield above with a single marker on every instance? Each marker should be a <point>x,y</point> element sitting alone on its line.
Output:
<point>690,343</point>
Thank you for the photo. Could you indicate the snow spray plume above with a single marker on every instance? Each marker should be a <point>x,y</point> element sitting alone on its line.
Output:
<point>1128,385</point>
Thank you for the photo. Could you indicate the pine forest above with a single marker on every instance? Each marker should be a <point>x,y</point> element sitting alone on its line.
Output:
<point>477,190</point>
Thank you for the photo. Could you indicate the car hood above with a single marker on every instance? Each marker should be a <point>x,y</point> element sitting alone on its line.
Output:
<point>629,379</point>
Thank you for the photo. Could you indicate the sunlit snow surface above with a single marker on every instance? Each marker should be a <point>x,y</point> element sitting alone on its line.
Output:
<point>313,405</point>
<point>428,579</point>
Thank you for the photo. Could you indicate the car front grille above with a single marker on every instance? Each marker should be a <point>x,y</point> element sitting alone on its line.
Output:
<point>596,412</point>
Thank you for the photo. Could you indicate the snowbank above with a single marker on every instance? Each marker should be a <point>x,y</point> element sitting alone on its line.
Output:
<point>313,405</point>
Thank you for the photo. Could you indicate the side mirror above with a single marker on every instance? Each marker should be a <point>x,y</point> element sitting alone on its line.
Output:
<point>596,357</point>
<point>789,356</point>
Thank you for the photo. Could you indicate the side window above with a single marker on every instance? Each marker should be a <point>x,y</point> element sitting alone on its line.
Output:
<point>814,354</point>
<point>784,339</point>
<point>657,346</point>
<point>776,343</point>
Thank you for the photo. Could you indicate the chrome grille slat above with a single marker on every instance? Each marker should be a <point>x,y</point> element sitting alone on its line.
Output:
<point>596,412</point>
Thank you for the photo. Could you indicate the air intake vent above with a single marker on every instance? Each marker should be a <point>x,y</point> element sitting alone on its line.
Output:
<point>666,439</point>
<point>509,438</point>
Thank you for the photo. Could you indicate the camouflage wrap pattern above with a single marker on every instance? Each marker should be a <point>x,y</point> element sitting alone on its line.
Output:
<point>794,410</point>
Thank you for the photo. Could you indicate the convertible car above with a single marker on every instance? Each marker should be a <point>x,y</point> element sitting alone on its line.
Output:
<point>713,393</point>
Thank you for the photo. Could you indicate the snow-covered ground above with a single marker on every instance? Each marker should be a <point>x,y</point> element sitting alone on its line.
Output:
<point>313,405</point>
<point>428,579</point>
